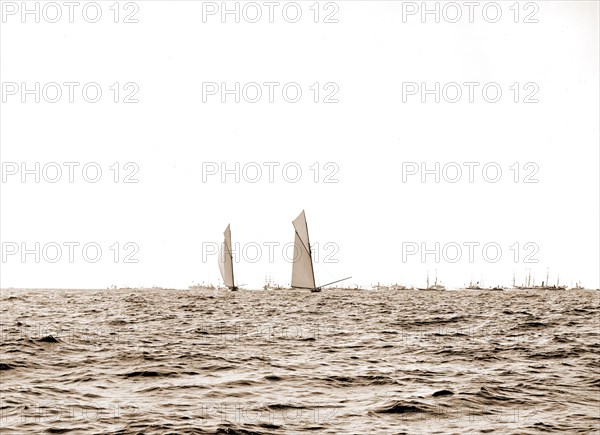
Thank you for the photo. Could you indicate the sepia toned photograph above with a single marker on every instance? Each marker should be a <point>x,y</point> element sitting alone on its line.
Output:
<point>299,217</point>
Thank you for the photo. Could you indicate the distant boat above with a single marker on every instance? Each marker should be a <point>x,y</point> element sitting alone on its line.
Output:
<point>269,285</point>
<point>476,286</point>
<point>530,284</point>
<point>542,287</point>
<point>203,286</point>
<point>303,274</point>
<point>226,261</point>
<point>552,287</point>
<point>379,287</point>
<point>472,286</point>
<point>392,287</point>
<point>395,287</point>
<point>435,286</point>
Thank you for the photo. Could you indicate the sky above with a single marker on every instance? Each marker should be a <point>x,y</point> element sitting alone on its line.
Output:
<point>394,184</point>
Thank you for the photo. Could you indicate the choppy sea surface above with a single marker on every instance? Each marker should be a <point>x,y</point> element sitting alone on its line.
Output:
<point>183,361</point>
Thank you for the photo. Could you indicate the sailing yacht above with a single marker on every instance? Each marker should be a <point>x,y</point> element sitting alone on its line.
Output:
<point>226,261</point>
<point>303,274</point>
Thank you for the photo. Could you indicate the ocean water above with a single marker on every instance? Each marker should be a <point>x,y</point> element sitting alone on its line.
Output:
<point>182,361</point>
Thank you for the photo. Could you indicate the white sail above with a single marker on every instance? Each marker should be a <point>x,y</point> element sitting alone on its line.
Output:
<point>226,259</point>
<point>303,275</point>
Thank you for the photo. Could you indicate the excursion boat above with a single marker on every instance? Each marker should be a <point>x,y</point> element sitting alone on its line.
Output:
<point>434,287</point>
<point>530,284</point>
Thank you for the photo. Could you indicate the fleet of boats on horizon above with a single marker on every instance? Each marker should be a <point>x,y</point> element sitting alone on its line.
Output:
<point>303,276</point>
<point>270,285</point>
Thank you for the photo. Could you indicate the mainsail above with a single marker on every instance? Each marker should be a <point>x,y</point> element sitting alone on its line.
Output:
<point>303,275</point>
<point>226,260</point>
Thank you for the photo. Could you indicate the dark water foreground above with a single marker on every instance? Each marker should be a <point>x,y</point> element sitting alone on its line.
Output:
<point>158,361</point>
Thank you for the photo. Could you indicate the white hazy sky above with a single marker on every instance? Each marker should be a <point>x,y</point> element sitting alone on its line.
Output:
<point>363,220</point>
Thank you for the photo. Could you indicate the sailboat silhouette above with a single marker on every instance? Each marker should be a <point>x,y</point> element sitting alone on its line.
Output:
<point>226,261</point>
<point>303,274</point>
